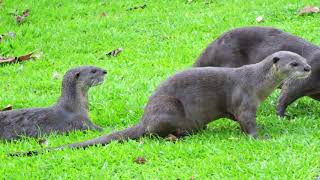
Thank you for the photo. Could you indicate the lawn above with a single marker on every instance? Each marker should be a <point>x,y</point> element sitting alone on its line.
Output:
<point>159,40</point>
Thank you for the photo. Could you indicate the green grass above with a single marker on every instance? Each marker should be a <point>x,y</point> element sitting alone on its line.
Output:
<point>165,37</point>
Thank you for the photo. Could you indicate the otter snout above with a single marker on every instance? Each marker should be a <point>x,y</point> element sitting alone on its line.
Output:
<point>306,72</point>
<point>307,68</point>
<point>104,72</point>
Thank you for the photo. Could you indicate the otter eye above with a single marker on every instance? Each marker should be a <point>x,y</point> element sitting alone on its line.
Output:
<point>93,71</point>
<point>294,64</point>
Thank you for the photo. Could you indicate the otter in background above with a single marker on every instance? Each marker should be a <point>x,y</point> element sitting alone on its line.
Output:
<point>249,45</point>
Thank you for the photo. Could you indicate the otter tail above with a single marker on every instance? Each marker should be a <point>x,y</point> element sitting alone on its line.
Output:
<point>129,133</point>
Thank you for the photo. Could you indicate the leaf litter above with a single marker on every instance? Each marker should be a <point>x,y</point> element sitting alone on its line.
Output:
<point>115,52</point>
<point>21,18</point>
<point>137,7</point>
<point>25,57</point>
<point>140,160</point>
<point>308,10</point>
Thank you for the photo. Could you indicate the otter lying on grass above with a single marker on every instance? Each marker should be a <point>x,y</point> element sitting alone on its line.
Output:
<point>68,114</point>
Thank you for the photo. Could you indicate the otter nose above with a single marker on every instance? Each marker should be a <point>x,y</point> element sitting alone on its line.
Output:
<point>307,68</point>
<point>104,72</point>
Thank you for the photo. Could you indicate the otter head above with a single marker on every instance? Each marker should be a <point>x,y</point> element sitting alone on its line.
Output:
<point>85,76</point>
<point>89,76</point>
<point>290,65</point>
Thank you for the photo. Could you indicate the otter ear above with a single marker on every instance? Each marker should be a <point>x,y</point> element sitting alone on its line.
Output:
<point>77,75</point>
<point>275,60</point>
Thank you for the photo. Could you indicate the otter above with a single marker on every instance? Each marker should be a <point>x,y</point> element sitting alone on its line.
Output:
<point>250,45</point>
<point>189,100</point>
<point>68,114</point>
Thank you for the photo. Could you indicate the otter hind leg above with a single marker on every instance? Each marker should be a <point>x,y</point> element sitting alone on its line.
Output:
<point>164,115</point>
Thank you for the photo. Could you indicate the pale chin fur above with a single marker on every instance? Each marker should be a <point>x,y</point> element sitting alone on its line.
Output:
<point>97,82</point>
<point>302,75</point>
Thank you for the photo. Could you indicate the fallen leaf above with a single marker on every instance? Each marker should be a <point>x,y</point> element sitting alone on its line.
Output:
<point>115,52</point>
<point>259,19</point>
<point>104,14</point>
<point>308,10</point>
<point>20,19</point>
<point>192,178</point>
<point>16,59</point>
<point>137,7</point>
<point>7,108</point>
<point>25,13</point>
<point>140,160</point>
<point>171,137</point>
<point>7,59</point>
<point>25,57</point>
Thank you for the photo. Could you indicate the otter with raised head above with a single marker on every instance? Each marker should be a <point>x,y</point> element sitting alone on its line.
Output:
<point>189,100</point>
<point>249,45</point>
<point>69,113</point>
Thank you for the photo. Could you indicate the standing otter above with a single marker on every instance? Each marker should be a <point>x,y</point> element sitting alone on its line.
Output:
<point>189,100</point>
<point>69,113</point>
<point>250,45</point>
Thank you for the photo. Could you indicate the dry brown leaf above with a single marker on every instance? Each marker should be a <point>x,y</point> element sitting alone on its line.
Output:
<point>171,137</point>
<point>16,59</point>
<point>137,7</point>
<point>7,59</point>
<point>308,10</point>
<point>25,57</point>
<point>7,108</point>
<point>192,178</point>
<point>140,160</point>
<point>20,19</point>
<point>115,52</point>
